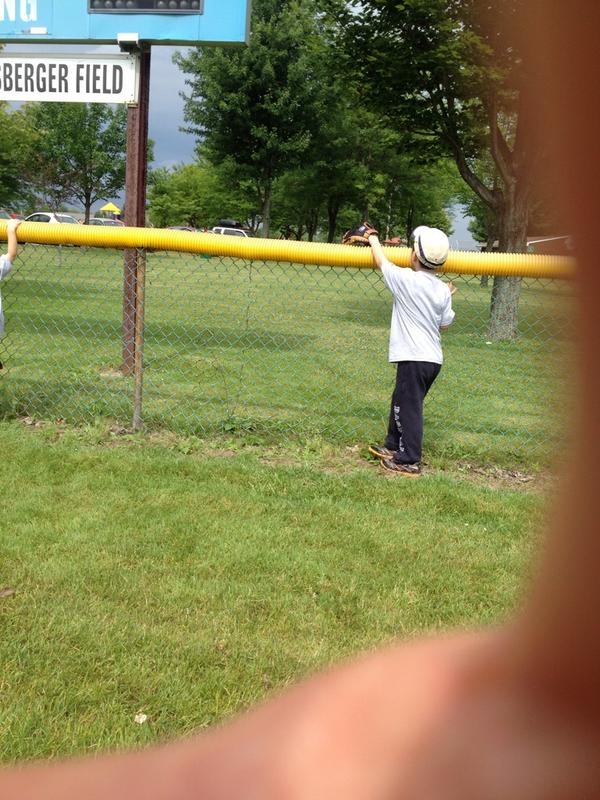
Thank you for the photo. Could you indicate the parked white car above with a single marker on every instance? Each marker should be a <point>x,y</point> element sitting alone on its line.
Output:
<point>52,218</point>
<point>229,231</point>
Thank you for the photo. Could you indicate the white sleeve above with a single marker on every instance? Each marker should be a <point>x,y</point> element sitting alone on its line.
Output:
<point>5,265</point>
<point>447,312</point>
<point>394,277</point>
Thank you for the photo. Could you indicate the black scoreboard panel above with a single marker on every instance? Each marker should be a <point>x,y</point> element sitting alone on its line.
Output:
<point>145,6</point>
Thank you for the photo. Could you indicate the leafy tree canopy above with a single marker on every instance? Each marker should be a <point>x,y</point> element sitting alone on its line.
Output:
<point>454,72</point>
<point>80,151</point>
<point>199,195</point>
<point>16,142</point>
<point>260,106</point>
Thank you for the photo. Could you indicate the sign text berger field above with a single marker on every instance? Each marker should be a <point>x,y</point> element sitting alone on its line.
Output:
<point>82,78</point>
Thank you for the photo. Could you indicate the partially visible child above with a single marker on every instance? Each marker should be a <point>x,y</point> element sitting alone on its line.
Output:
<point>6,262</point>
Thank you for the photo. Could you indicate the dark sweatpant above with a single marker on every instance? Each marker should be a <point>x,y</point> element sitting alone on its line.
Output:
<point>405,426</point>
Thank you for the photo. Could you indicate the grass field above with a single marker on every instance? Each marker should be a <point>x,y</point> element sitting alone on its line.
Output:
<point>276,351</point>
<point>188,578</point>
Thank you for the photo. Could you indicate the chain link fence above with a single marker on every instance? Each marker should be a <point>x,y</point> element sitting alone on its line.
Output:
<point>276,350</point>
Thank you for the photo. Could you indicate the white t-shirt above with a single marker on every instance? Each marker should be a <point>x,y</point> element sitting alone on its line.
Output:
<point>5,265</point>
<point>422,304</point>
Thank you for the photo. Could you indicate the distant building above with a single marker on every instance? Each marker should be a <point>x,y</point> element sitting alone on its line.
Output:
<point>550,245</point>
<point>544,245</point>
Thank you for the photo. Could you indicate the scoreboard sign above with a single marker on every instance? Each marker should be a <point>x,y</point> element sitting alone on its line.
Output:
<point>178,22</point>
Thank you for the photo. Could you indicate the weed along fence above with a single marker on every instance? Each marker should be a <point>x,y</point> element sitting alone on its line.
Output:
<point>204,335</point>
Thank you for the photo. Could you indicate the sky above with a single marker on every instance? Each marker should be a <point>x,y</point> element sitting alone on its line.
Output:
<point>172,146</point>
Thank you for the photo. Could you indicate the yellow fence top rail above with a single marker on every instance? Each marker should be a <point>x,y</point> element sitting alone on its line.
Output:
<point>250,249</point>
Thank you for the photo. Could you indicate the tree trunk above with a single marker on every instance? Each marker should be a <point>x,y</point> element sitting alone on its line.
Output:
<point>504,317</point>
<point>409,223</point>
<point>266,213</point>
<point>312,224</point>
<point>87,207</point>
<point>489,247</point>
<point>332,214</point>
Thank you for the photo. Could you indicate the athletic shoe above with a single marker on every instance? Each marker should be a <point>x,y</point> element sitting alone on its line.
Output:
<point>407,470</point>
<point>381,452</point>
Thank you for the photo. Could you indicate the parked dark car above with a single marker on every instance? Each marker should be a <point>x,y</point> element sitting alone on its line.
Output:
<point>105,221</point>
<point>229,223</point>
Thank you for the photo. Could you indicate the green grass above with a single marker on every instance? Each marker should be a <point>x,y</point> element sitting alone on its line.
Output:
<point>189,578</point>
<point>244,540</point>
<point>277,351</point>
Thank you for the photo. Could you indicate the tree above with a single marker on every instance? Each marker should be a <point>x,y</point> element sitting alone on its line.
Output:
<point>262,105</point>
<point>80,153</point>
<point>198,195</point>
<point>359,166</point>
<point>450,70</point>
<point>16,145</point>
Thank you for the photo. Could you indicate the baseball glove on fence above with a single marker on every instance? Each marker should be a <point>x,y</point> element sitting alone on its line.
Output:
<point>360,235</point>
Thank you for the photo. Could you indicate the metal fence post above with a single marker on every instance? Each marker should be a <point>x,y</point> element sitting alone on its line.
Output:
<point>138,370</point>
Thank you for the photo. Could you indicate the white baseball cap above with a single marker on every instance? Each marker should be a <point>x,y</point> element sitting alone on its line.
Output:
<point>431,246</point>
